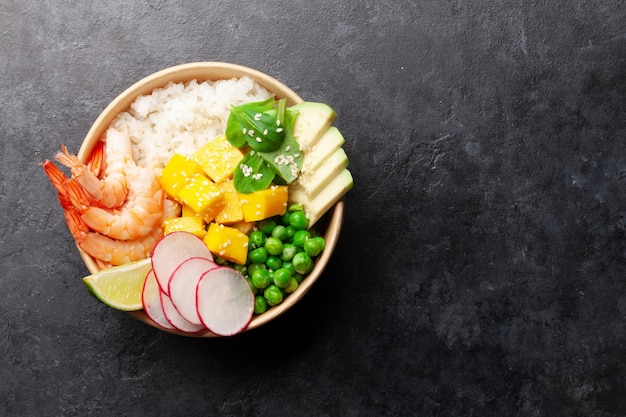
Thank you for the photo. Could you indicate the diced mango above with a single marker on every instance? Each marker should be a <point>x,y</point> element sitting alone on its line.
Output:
<point>176,172</point>
<point>218,158</point>
<point>266,203</point>
<point>227,243</point>
<point>188,212</point>
<point>231,212</point>
<point>202,195</point>
<point>191,224</point>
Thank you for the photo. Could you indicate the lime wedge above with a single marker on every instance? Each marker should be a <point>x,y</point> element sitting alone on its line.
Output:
<point>120,287</point>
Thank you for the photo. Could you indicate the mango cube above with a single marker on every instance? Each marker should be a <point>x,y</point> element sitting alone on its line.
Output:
<point>266,203</point>
<point>202,195</point>
<point>191,224</point>
<point>218,158</point>
<point>227,243</point>
<point>231,213</point>
<point>176,172</point>
<point>187,211</point>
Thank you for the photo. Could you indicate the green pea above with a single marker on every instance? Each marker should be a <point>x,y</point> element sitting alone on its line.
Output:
<point>295,207</point>
<point>290,233</point>
<point>260,278</point>
<point>292,286</point>
<point>298,277</point>
<point>273,295</point>
<point>289,251</point>
<point>312,247</point>
<point>298,220</point>
<point>300,237</point>
<point>284,219</point>
<point>289,266</point>
<point>321,241</point>
<point>302,263</point>
<point>254,289</point>
<point>256,240</point>
<point>242,269</point>
<point>282,276</point>
<point>258,255</point>
<point>273,246</point>
<point>267,225</point>
<point>253,267</point>
<point>260,304</point>
<point>273,262</point>
<point>280,232</point>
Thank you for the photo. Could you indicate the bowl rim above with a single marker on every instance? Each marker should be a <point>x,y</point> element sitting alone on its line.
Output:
<point>201,71</point>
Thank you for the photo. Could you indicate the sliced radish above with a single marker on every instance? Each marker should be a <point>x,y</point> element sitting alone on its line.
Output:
<point>225,301</point>
<point>183,284</point>
<point>171,251</point>
<point>175,319</point>
<point>151,298</point>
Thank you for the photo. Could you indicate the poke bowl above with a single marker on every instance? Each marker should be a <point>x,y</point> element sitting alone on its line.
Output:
<point>328,225</point>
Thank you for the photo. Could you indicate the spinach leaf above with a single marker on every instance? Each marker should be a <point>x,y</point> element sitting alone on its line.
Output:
<point>286,161</point>
<point>252,174</point>
<point>237,127</point>
<point>258,123</point>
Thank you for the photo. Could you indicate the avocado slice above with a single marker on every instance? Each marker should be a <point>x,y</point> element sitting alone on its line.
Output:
<point>312,122</point>
<point>322,150</point>
<point>316,207</point>
<point>312,182</point>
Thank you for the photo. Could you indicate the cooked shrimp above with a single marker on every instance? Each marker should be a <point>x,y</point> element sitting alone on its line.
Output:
<point>110,190</point>
<point>108,251</point>
<point>137,217</point>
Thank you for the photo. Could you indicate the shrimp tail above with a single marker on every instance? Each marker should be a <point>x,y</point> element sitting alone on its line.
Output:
<point>97,157</point>
<point>58,180</point>
<point>69,160</point>
<point>79,198</point>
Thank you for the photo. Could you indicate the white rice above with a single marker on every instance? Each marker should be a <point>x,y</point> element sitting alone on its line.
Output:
<point>181,117</point>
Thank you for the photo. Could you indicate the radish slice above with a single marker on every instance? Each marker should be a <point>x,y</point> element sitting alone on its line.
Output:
<point>171,251</point>
<point>151,299</point>
<point>183,284</point>
<point>225,301</point>
<point>175,319</point>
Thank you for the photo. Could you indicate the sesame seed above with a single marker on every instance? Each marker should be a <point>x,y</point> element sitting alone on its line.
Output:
<point>245,130</point>
<point>265,132</point>
<point>277,122</point>
<point>280,129</point>
<point>251,133</point>
<point>246,170</point>
<point>258,116</point>
<point>258,139</point>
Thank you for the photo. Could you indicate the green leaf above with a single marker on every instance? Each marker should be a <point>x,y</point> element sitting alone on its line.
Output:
<point>252,174</point>
<point>258,124</point>
<point>286,161</point>
<point>237,126</point>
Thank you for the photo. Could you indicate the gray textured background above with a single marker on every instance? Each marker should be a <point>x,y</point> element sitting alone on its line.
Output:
<point>481,269</point>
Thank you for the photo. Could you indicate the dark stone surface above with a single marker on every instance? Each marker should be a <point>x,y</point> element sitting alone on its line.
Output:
<point>481,269</point>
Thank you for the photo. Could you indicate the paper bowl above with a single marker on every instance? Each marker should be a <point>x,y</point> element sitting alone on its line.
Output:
<point>329,225</point>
